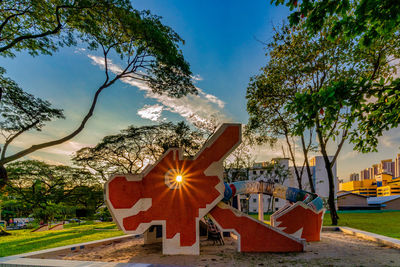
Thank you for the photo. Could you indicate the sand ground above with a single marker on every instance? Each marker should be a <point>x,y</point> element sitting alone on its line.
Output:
<point>335,249</point>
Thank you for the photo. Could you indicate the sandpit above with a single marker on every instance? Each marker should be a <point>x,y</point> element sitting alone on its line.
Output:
<point>334,249</point>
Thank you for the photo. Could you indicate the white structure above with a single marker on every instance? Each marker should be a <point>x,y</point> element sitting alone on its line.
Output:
<point>397,166</point>
<point>319,174</point>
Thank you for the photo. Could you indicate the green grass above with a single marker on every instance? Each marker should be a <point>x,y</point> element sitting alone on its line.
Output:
<point>22,241</point>
<point>382,223</point>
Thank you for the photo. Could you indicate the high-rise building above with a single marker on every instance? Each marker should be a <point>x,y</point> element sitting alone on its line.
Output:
<point>364,175</point>
<point>382,179</point>
<point>371,173</point>
<point>375,170</point>
<point>354,177</point>
<point>393,168</point>
<point>385,167</point>
<point>397,166</point>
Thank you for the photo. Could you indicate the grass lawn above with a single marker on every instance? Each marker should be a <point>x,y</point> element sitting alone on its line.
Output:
<point>21,241</point>
<point>382,223</point>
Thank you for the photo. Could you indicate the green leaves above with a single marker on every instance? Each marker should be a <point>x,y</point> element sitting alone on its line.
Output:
<point>366,20</point>
<point>132,149</point>
<point>148,52</point>
<point>21,111</point>
<point>372,26</point>
<point>377,115</point>
<point>48,190</point>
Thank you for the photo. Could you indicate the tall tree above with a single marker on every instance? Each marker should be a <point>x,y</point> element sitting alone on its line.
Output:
<point>37,184</point>
<point>329,96</point>
<point>373,25</point>
<point>148,51</point>
<point>134,148</point>
<point>268,94</point>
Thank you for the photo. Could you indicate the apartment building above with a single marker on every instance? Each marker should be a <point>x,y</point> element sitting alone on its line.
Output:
<point>319,177</point>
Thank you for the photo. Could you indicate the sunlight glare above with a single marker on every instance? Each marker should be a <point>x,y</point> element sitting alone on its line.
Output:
<point>178,178</point>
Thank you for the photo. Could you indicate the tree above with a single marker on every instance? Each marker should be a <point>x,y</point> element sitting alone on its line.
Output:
<point>38,186</point>
<point>21,111</point>
<point>268,94</point>
<point>12,208</point>
<point>41,26</point>
<point>134,148</point>
<point>46,214</point>
<point>238,164</point>
<point>366,19</point>
<point>328,95</point>
<point>371,25</point>
<point>148,51</point>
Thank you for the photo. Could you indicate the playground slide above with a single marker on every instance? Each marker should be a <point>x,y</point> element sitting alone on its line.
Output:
<point>301,217</point>
<point>254,235</point>
<point>273,189</point>
<point>176,192</point>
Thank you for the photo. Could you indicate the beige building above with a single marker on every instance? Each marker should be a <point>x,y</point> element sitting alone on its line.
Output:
<point>397,166</point>
<point>354,177</point>
<point>351,201</point>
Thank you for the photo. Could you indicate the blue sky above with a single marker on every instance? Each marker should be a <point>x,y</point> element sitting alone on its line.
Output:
<point>222,45</point>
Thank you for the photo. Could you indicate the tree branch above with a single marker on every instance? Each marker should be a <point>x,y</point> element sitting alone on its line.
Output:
<point>12,16</point>
<point>34,36</point>
<point>8,141</point>
<point>339,148</point>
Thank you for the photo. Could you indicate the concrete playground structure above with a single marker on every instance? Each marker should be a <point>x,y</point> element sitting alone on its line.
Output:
<point>337,243</point>
<point>176,192</point>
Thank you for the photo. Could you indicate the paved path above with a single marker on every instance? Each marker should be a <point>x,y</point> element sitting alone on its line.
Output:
<point>335,249</point>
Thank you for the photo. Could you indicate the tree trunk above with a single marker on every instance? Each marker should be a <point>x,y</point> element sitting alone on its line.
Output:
<point>296,171</point>
<point>273,204</point>
<point>3,177</point>
<point>310,178</point>
<point>331,199</point>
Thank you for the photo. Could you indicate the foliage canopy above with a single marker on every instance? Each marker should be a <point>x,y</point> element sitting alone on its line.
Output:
<point>135,147</point>
<point>134,45</point>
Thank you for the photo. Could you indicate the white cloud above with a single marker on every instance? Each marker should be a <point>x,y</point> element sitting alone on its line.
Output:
<point>67,148</point>
<point>390,139</point>
<point>80,50</point>
<point>48,161</point>
<point>349,155</point>
<point>212,98</point>
<point>196,109</point>
<point>197,77</point>
<point>151,112</point>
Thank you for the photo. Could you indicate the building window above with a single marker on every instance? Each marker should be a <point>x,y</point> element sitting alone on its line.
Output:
<point>261,172</point>
<point>254,210</point>
<point>254,200</point>
<point>254,172</point>
<point>276,199</point>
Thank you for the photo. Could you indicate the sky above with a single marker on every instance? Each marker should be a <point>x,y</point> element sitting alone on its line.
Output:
<point>224,46</point>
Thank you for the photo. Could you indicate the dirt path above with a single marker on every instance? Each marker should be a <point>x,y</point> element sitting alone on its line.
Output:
<point>335,249</point>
